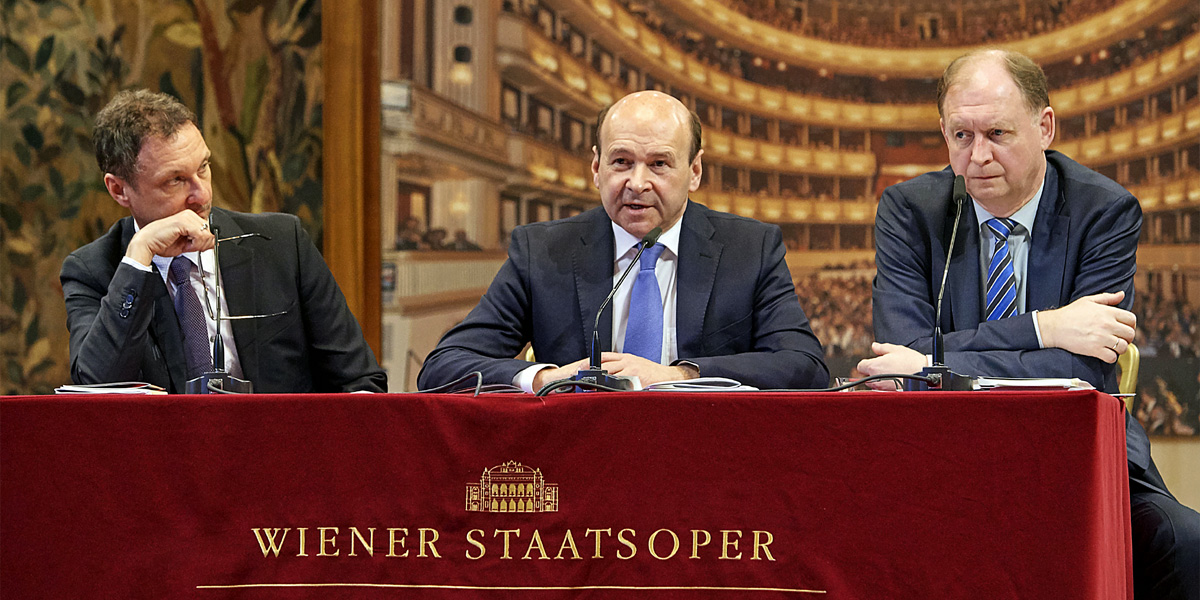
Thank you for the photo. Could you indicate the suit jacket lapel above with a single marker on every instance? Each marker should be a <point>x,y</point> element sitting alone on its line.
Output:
<point>964,285</point>
<point>1048,249</point>
<point>237,285</point>
<point>699,255</point>
<point>593,262</point>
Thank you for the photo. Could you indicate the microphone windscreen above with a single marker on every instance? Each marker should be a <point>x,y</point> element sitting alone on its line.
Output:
<point>960,189</point>
<point>651,238</point>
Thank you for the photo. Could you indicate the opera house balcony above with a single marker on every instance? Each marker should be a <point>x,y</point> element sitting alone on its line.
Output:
<point>1181,191</point>
<point>648,51</point>
<point>523,45</point>
<point>791,210</point>
<point>715,18</point>
<point>1138,139</point>
<point>734,150</point>
<point>1168,67</point>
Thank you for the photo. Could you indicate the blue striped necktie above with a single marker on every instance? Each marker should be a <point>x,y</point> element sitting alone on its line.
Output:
<point>1001,282</point>
<point>644,327</point>
<point>192,323</point>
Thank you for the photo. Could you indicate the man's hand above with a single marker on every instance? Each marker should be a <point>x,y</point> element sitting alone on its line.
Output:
<point>891,358</point>
<point>648,372</point>
<point>549,375</point>
<point>184,231</point>
<point>1090,326</point>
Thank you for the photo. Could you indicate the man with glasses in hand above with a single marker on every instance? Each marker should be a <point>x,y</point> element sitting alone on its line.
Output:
<point>141,302</point>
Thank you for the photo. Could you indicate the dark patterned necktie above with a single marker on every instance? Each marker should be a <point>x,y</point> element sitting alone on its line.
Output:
<point>1001,283</point>
<point>644,328</point>
<point>192,324</point>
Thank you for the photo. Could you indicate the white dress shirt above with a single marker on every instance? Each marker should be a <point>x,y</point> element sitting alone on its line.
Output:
<point>207,294</point>
<point>624,249</point>
<point>1019,242</point>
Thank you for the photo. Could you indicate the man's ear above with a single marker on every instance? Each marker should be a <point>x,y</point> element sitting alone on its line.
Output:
<point>697,170</point>
<point>596,167</point>
<point>1046,125</point>
<point>117,188</point>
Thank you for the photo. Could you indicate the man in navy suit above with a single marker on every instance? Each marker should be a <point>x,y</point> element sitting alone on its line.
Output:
<point>1041,276</point>
<point>728,304</point>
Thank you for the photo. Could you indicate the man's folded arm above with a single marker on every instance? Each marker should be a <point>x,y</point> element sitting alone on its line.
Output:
<point>109,326</point>
<point>1049,362</point>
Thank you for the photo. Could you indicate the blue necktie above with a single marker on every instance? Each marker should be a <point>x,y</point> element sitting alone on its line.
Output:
<point>644,328</point>
<point>1001,282</point>
<point>191,319</point>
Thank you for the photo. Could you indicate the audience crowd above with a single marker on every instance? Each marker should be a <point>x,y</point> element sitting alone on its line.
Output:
<point>411,235</point>
<point>1168,329</point>
<point>878,29</point>
<point>1161,411</point>
<point>1167,326</point>
<point>837,300</point>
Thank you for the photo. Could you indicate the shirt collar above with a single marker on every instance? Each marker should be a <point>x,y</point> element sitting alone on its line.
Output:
<point>1025,216</point>
<point>626,242</point>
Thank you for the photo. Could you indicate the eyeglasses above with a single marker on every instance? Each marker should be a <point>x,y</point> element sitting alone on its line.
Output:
<point>216,276</point>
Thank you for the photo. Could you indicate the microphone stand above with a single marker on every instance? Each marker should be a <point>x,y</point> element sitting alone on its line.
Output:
<point>942,378</point>
<point>218,378</point>
<point>594,374</point>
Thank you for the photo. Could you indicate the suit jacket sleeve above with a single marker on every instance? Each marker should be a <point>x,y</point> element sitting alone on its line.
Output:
<point>773,346</point>
<point>1102,254</point>
<point>109,321</point>
<point>340,359</point>
<point>494,331</point>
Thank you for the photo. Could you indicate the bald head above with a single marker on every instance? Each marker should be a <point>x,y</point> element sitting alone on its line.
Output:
<point>1026,74</point>
<point>656,106</point>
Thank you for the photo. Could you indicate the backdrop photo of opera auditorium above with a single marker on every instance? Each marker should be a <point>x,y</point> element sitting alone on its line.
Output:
<point>810,109</point>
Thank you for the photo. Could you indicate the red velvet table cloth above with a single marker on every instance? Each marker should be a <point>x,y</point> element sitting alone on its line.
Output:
<point>633,495</point>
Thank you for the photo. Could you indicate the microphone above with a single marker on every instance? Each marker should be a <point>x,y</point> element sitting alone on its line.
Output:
<point>219,379</point>
<point>960,196</point>
<point>944,378</point>
<point>594,374</point>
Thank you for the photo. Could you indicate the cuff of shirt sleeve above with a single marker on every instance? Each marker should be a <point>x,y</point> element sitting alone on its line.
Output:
<point>137,265</point>
<point>524,379</point>
<point>686,363</point>
<point>1037,329</point>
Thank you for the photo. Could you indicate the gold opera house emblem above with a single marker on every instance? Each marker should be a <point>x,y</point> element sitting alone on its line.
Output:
<point>512,487</point>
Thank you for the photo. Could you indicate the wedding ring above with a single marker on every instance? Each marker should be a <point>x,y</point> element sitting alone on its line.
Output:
<point>1114,346</point>
<point>204,227</point>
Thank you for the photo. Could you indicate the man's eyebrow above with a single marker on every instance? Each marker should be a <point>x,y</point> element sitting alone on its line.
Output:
<point>997,124</point>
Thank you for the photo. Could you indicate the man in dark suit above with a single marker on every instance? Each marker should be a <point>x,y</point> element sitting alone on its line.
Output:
<point>725,300</point>
<point>1041,276</point>
<point>123,298</point>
